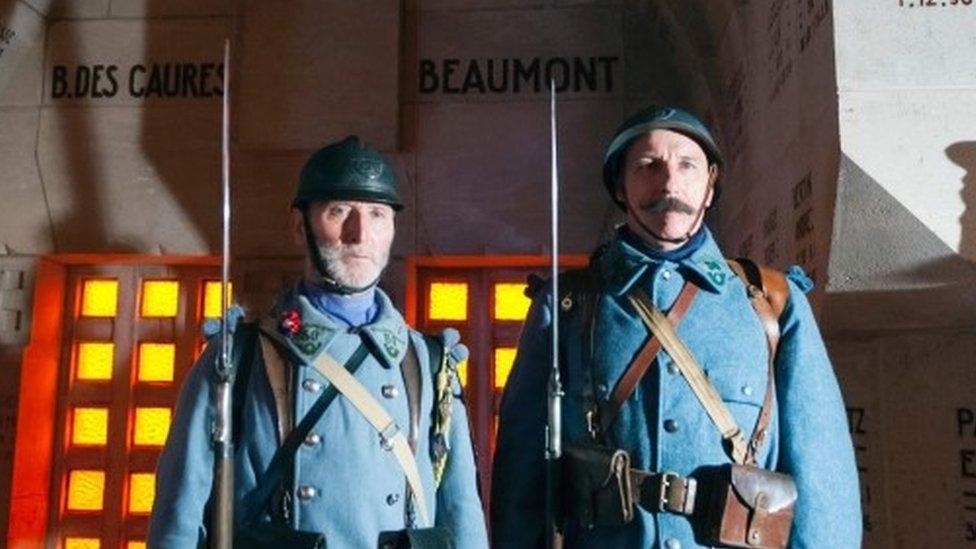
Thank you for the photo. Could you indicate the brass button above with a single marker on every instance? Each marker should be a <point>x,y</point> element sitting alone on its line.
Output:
<point>672,543</point>
<point>312,439</point>
<point>312,386</point>
<point>666,274</point>
<point>392,499</point>
<point>670,425</point>
<point>673,368</point>
<point>747,390</point>
<point>390,391</point>
<point>306,493</point>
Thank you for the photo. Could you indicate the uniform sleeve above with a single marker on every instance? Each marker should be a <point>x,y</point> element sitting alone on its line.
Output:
<point>458,501</point>
<point>518,476</point>
<point>815,444</point>
<point>185,469</point>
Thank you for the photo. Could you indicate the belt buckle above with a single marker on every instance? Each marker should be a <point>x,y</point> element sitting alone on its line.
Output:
<point>676,494</point>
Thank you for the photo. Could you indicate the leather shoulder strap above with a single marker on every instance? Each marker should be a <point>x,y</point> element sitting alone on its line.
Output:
<point>279,378</point>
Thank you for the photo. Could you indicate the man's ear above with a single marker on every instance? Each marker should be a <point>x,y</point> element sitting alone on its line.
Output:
<point>298,226</point>
<point>620,193</point>
<point>712,179</point>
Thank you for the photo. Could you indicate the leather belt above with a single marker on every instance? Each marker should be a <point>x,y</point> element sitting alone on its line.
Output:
<point>665,491</point>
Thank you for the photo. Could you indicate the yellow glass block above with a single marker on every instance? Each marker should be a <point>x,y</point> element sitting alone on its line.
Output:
<point>462,373</point>
<point>82,543</point>
<point>151,426</point>
<point>100,297</point>
<point>95,360</point>
<point>142,490</point>
<point>448,301</point>
<point>160,298</point>
<point>135,545</point>
<point>211,298</point>
<point>504,358</point>
<point>156,361</point>
<point>86,490</point>
<point>89,427</point>
<point>510,301</point>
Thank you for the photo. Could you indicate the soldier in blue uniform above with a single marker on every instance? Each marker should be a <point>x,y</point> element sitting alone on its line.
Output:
<point>344,478</point>
<point>662,168</point>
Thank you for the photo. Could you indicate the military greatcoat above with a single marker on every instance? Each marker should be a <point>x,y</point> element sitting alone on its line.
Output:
<point>663,426</point>
<point>345,484</point>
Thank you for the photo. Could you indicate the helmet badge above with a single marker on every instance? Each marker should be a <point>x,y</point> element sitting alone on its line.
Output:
<point>368,168</point>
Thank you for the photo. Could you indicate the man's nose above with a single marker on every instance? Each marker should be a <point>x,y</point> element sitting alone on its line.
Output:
<point>353,229</point>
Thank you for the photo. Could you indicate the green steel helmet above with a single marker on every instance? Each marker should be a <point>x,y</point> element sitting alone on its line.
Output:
<point>655,118</point>
<point>347,170</point>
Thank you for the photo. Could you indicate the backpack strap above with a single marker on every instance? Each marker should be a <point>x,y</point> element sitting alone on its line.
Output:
<point>768,291</point>
<point>242,357</point>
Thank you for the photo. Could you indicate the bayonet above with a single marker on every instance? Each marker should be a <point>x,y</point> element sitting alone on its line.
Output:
<point>222,513</point>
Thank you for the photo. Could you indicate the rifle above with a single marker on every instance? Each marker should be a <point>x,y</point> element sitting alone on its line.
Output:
<point>222,512</point>
<point>554,447</point>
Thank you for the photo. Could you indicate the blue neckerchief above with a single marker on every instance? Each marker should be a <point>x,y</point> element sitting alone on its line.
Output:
<point>674,256</point>
<point>349,311</point>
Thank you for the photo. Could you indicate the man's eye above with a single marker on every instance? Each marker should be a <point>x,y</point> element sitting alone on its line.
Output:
<point>688,165</point>
<point>378,213</point>
<point>337,211</point>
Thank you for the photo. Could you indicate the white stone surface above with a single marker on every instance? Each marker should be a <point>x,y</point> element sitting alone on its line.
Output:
<point>901,44</point>
<point>24,224</point>
<point>21,54</point>
<point>310,75</point>
<point>71,9</point>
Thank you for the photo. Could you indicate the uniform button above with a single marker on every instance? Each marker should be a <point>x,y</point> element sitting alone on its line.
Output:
<point>672,543</point>
<point>666,274</point>
<point>390,391</point>
<point>312,386</point>
<point>670,425</point>
<point>312,439</point>
<point>392,499</point>
<point>602,388</point>
<point>306,493</point>
<point>673,368</point>
<point>747,390</point>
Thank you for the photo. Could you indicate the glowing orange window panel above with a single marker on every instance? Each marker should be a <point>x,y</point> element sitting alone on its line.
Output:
<point>448,301</point>
<point>95,361</point>
<point>462,373</point>
<point>89,426</point>
<point>160,298</point>
<point>211,298</point>
<point>100,297</point>
<point>151,426</point>
<point>156,362</point>
<point>135,545</point>
<point>504,358</point>
<point>86,489</point>
<point>510,301</point>
<point>142,490</point>
<point>82,543</point>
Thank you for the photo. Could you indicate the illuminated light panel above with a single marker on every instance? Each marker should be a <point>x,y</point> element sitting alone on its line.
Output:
<point>151,426</point>
<point>510,301</point>
<point>95,361</point>
<point>211,298</point>
<point>156,361</point>
<point>160,298</point>
<point>142,490</point>
<point>82,543</point>
<point>135,545</point>
<point>86,489</point>
<point>100,297</point>
<point>462,373</point>
<point>89,427</point>
<point>448,301</point>
<point>504,358</point>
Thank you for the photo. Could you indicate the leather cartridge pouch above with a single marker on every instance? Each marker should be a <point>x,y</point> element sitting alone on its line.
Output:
<point>749,507</point>
<point>600,490</point>
<point>269,535</point>
<point>436,537</point>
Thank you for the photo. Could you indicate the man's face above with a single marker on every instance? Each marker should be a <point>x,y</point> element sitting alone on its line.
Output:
<point>353,237</point>
<point>666,185</point>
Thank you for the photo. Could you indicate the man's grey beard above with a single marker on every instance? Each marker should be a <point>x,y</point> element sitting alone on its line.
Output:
<point>338,273</point>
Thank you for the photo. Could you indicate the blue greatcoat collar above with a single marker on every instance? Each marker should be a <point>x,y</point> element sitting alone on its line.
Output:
<point>317,332</point>
<point>622,265</point>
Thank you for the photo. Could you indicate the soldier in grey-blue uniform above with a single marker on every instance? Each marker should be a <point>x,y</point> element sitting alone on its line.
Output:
<point>343,479</point>
<point>661,168</point>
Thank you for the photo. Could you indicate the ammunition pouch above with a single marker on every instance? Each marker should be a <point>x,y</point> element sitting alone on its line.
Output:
<point>270,535</point>
<point>437,537</point>
<point>598,483</point>
<point>749,507</point>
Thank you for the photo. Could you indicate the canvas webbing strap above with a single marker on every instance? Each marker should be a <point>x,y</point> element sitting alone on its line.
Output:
<point>391,437</point>
<point>703,389</point>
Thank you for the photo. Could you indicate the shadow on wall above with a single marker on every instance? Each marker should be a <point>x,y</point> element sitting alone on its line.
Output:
<point>964,155</point>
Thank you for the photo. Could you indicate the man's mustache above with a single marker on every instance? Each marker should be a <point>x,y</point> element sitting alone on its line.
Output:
<point>668,204</point>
